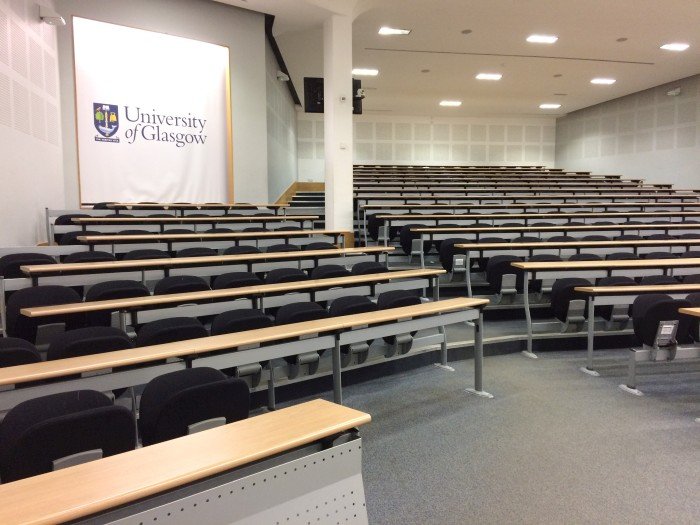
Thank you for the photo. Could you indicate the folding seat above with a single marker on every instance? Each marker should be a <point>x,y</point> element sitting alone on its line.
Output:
<point>614,313</point>
<point>101,205</point>
<point>84,257</point>
<point>169,331</point>
<point>648,310</point>
<point>158,215</point>
<point>573,223</point>
<point>506,225</point>
<point>694,301</point>
<point>134,232</point>
<point>660,237</point>
<point>236,280</point>
<point>180,284</point>
<point>691,279</point>
<point>542,224</point>
<point>351,305</point>
<point>199,251</point>
<point>177,231</point>
<point>15,351</point>
<point>285,275</point>
<point>123,289</point>
<point>40,328</point>
<point>651,280</point>
<point>659,255</point>
<point>319,246</point>
<point>661,222</point>
<point>258,229</point>
<point>285,247</point>
<point>542,286</point>
<point>401,343</point>
<point>369,267</point>
<point>289,229</point>
<point>562,238</point>
<point>188,401</point>
<point>596,238</point>
<point>140,255</point>
<point>526,239</point>
<point>568,305</point>
<point>689,236</point>
<point>263,214</point>
<point>60,430</point>
<point>71,238</point>
<point>621,256</point>
<point>328,271</point>
<point>628,237</point>
<point>241,250</point>
<point>603,223</point>
<point>297,313</point>
<point>411,242</point>
<point>373,225</point>
<point>87,341</point>
<point>10,264</point>
<point>504,280</point>
<point>66,220</point>
<point>448,255</point>
<point>585,257</point>
<point>634,222</point>
<point>218,230</point>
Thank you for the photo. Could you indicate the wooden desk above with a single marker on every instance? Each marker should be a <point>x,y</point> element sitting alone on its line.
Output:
<point>83,490</point>
<point>84,222</point>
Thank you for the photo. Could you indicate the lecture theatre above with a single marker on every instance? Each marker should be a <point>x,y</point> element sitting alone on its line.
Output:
<point>388,262</point>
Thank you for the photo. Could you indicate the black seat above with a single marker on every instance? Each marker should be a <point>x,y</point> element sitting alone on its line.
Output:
<point>285,247</point>
<point>255,229</point>
<point>628,237</point>
<point>26,327</point>
<point>659,255</point>
<point>661,237</point>
<point>10,264</point>
<point>354,304</point>
<point>38,433</point>
<point>319,246</point>
<point>650,309</point>
<point>241,250</point>
<point>218,230</point>
<point>170,330</point>
<point>288,229</point>
<point>187,401</point>
<point>398,299</point>
<point>236,280</point>
<point>562,238</point>
<point>297,313</point>
<point>71,238</point>
<point>101,205</point>
<point>563,293</point>
<point>368,267</point>
<point>199,251</point>
<point>526,238</point>
<point>285,275</point>
<point>177,231</point>
<point>180,284</point>
<point>328,271</point>
<point>240,321</point>
<point>595,238</point>
<point>500,265</point>
<point>621,256</point>
<point>692,254</point>
<point>87,341</point>
<point>585,257</point>
<point>650,280</point>
<point>84,257</point>
<point>140,255</point>
<point>15,351</point>
<point>689,236</point>
<point>66,220</point>
<point>447,251</point>
<point>107,290</point>
<point>406,238</point>
<point>607,312</point>
<point>691,279</point>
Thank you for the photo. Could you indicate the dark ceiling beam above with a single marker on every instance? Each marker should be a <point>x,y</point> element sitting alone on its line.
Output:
<point>269,22</point>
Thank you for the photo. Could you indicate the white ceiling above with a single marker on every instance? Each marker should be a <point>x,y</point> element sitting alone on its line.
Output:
<point>587,48</point>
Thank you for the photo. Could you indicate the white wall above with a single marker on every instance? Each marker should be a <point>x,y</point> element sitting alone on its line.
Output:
<point>281,132</point>
<point>647,135</point>
<point>30,131</point>
<point>241,30</point>
<point>400,140</point>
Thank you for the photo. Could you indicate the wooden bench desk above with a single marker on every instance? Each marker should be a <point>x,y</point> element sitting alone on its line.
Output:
<point>182,207</point>
<point>142,479</point>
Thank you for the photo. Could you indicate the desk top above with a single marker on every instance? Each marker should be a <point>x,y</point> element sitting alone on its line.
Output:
<point>134,356</point>
<point>576,244</point>
<point>226,293</point>
<point>551,215</point>
<point>695,312</point>
<point>174,262</point>
<point>559,228</point>
<point>608,265</point>
<point>634,290</point>
<point>193,220</point>
<point>127,477</point>
<point>521,197</point>
<point>607,204</point>
<point>106,239</point>
<point>193,205</point>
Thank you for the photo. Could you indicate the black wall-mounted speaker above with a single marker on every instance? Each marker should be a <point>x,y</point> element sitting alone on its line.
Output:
<point>313,95</point>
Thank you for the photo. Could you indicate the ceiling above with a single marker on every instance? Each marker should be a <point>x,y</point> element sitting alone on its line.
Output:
<point>588,31</point>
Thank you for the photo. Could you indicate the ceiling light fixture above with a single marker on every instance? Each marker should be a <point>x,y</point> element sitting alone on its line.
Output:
<point>604,81</point>
<point>676,46</point>
<point>365,72</point>
<point>489,76</point>
<point>550,106</point>
<point>385,30</point>
<point>451,103</point>
<point>542,39</point>
<point>466,31</point>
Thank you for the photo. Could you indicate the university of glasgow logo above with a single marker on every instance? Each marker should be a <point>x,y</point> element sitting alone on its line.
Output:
<point>106,119</point>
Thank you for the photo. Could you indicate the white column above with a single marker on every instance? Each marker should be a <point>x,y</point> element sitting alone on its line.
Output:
<point>337,119</point>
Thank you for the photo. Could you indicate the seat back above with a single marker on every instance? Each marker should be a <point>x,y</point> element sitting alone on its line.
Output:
<point>650,309</point>
<point>15,351</point>
<point>87,341</point>
<point>83,257</point>
<point>123,289</point>
<point>180,284</point>
<point>658,279</point>
<point>199,251</point>
<point>328,271</point>
<point>563,293</point>
<point>406,238</point>
<point>240,321</point>
<point>368,267</point>
<point>500,265</point>
<point>169,331</point>
<point>139,255</point>
<point>285,275</point>
<point>285,247</point>
<point>236,280</point>
<point>10,264</point>
<point>241,250</point>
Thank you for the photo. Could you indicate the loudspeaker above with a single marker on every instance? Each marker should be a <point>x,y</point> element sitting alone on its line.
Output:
<point>313,95</point>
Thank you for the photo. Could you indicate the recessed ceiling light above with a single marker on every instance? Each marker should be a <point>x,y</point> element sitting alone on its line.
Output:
<point>605,81</point>
<point>451,103</point>
<point>489,76</point>
<point>558,75</point>
<point>365,72</point>
<point>676,46</point>
<point>466,31</point>
<point>550,106</point>
<point>425,71</point>
<point>621,39</point>
<point>560,94</point>
<point>384,30</point>
<point>542,39</point>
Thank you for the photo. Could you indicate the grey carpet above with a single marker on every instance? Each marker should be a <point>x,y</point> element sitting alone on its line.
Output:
<point>554,446</point>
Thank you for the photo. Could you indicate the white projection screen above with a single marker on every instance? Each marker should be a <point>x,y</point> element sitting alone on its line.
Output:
<point>153,116</point>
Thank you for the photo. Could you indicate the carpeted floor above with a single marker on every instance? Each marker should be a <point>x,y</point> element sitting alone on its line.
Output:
<point>553,446</point>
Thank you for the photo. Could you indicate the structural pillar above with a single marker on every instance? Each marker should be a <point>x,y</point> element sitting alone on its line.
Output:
<point>337,120</point>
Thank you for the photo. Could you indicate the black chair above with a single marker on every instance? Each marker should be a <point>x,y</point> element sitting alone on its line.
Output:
<point>67,220</point>
<point>289,229</point>
<point>255,229</point>
<point>10,264</point>
<point>319,246</point>
<point>596,238</point>
<point>241,250</point>
<point>101,205</point>
<point>134,232</point>
<point>447,252</point>
<point>585,257</point>
<point>368,267</point>
<point>692,254</point>
<point>689,236</point>
<point>170,330</point>
<point>140,255</point>
<point>328,271</point>
<point>612,313</point>
<point>285,247</point>
<point>691,279</point>
<point>71,238</point>
<point>285,275</point>
<point>500,266</point>
<point>218,230</point>
<point>649,310</point>
<point>407,238</point>
<point>659,255</point>
<point>628,237</point>
<point>199,251</point>
<point>180,284</point>
<point>398,299</point>
<point>661,237</point>
<point>526,238</point>
<point>621,256</point>
<point>87,341</point>
<point>240,321</point>
<point>15,351</point>
<point>18,325</point>
<point>84,257</point>
<point>297,313</point>
<point>177,231</point>
<point>354,304</point>
<point>236,280</point>
<point>123,289</point>
<point>694,328</point>
<point>539,285</point>
<point>188,401</point>
<point>59,430</point>
<point>562,238</point>
<point>651,280</point>
<point>568,305</point>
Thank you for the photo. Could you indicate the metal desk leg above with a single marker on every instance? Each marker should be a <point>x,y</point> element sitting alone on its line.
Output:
<point>436,288</point>
<point>337,378</point>
<point>479,359</point>
<point>528,317</point>
<point>588,369</point>
<point>271,388</point>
